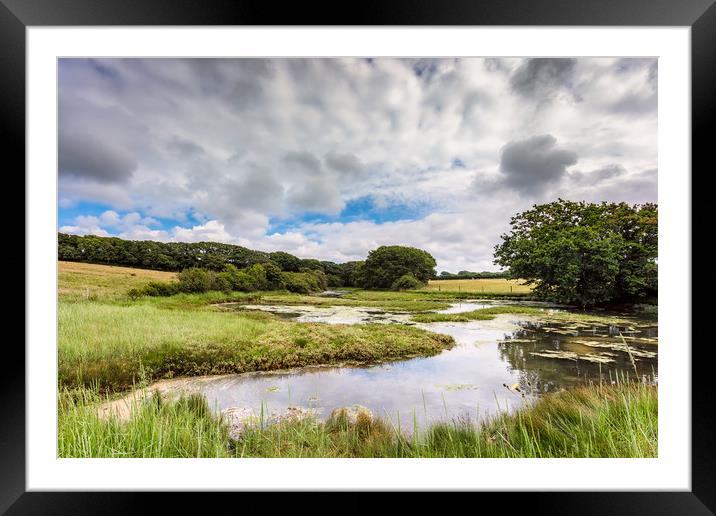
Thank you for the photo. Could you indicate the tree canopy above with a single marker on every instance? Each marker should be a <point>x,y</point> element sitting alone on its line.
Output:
<point>584,253</point>
<point>387,264</point>
<point>177,256</point>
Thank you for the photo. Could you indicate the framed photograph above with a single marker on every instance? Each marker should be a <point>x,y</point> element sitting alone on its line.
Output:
<point>415,250</point>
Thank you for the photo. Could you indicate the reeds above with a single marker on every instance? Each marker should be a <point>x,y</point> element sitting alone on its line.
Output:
<point>614,420</point>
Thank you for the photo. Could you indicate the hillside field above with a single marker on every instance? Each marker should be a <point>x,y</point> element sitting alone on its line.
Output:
<point>92,281</point>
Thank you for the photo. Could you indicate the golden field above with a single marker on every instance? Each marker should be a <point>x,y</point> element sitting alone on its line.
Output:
<point>92,281</point>
<point>489,285</point>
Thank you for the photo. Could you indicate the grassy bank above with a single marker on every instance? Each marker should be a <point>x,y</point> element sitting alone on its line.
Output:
<point>596,421</point>
<point>117,345</point>
<point>405,301</point>
<point>481,314</point>
<point>107,339</point>
<point>390,301</point>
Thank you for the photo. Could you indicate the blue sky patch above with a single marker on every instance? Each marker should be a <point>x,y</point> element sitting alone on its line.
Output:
<point>360,209</point>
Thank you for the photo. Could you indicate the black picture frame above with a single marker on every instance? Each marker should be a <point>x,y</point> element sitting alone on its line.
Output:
<point>17,15</point>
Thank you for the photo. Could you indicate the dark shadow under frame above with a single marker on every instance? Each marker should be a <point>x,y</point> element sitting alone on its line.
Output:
<point>16,15</point>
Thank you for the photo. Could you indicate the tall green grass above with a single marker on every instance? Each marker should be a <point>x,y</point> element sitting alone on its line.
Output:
<point>614,421</point>
<point>117,345</point>
<point>481,314</point>
<point>592,421</point>
<point>182,428</point>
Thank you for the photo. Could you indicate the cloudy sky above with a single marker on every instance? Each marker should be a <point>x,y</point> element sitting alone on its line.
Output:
<point>330,158</point>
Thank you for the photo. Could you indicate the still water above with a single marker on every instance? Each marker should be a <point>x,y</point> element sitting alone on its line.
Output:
<point>496,365</point>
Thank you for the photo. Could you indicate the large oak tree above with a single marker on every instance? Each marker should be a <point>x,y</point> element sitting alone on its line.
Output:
<point>386,264</point>
<point>584,253</point>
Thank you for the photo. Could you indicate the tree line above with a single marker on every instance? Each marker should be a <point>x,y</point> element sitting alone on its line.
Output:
<point>473,275</point>
<point>214,266</point>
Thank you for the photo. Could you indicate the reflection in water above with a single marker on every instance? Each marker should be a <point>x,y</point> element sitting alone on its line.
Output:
<point>472,380</point>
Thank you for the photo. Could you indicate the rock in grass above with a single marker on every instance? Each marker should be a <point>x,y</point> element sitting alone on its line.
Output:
<point>350,415</point>
<point>237,419</point>
<point>290,414</point>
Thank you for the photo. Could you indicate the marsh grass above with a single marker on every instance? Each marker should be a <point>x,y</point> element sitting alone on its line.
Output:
<point>481,314</point>
<point>115,345</point>
<point>159,428</point>
<point>384,300</point>
<point>592,421</point>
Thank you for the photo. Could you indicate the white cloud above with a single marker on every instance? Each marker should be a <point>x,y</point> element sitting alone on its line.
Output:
<point>211,231</point>
<point>84,230</point>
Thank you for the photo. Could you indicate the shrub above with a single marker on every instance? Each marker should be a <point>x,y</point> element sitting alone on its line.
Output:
<point>274,279</point>
<point>320,279</point>
<point>155,289</point>
<point>334,280</point>
<point>196,280</point>
<point>160,288</point>
<point>221,281</point>
<point>239,279</point>
<point>257,273</point>
<point>134,293</point>
<point>407,282</point>
<point>301,282</point>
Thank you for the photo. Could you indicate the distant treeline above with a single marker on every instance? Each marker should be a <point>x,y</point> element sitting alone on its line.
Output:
<point>234,267</point>
<point>473,275</point>
<point>178,256</point>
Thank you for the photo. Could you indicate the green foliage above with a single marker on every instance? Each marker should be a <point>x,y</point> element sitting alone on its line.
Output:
<point>334,280</point>
<point>274,279</point>
<point>407,282</point>
<point>211,256</point>
<point>167,256</point>
<point>311,264</point>
<point>352,274</point>
<point>388,263</point>
<point>212,262</point>
<point>156,288</point>
<point>287,262</point>
<point>222,282</point>
<point>320,278</point>
<point>257,277</point>
<point>239,279</point>
<point>304,282</point>
<point>257,273</point>
<point>195,280</point>
<point>584,253</point>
